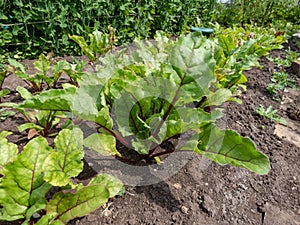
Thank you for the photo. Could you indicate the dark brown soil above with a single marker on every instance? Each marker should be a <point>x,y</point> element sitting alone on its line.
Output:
<point>204,193</point>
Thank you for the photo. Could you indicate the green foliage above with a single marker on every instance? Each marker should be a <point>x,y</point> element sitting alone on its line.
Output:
<point>143,99</point>
<point>29,175</point>
<point>35,27</point>
<point>270,113</point>
<point>31,28</point>
<point>99,43</point>
<point>66,159</point>
<point>5,113</point>
<point>287,61</point>
<point>2,77</point>
<point>157,92</point>
<point>238,49</point>
<point>41,121</point>
<point>256,12</point>
<point>8,151</point>
<point>280,80</point>
<point>227,147</point>
<point>47,75</point>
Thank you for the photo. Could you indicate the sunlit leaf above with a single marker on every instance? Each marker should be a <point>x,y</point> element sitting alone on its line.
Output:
<point>66,159</point>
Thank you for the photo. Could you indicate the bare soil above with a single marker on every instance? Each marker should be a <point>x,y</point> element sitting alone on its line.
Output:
<point>204,193</point>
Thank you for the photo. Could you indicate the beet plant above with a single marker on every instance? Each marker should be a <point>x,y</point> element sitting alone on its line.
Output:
<point>26,178</point>
<point>47,74</point>
<point>144,98</point>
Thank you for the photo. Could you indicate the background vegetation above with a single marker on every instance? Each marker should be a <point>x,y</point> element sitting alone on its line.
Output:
<point>29,28</point>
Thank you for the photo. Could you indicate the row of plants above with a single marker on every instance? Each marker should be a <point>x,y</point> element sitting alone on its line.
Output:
<point>28,29</point>
<point>140,99</point>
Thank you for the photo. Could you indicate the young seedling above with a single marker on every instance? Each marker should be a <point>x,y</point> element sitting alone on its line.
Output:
<point>280,81</point>
<point>270,113</point>
<point>39,121</point>
<point>287,60</point>
<point>47,75</point>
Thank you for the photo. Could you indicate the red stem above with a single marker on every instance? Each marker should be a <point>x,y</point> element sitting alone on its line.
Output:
<point>118,137</point>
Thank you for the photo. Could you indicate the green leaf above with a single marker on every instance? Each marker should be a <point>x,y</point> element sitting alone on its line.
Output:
<point>113,184</point>
<point>42,64</point>
<point>4,134</point>
<point>48,219</point>
<point>23,185</point>
<point>37,207</point>
<point>8,151</point>
<point>54,100</point>
<point>84,46</point>
<point>192,60</point>
<point>195,118</point>
<point>105,144</point>
<point>99,42</point>
<point>17,65</point>
<point>24,92</point>
<point>59,67</point>
<point>66,159</point>
<point>69,205</point>
<point>27,126</point>
<point>219,97</point>
<point>228,147</point>
<point>4,92</point>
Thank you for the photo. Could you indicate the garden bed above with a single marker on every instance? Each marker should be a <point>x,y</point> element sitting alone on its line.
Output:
<point>203,192</point>
<point>208,194</point>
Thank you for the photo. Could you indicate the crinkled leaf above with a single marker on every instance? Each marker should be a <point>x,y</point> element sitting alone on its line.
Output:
<point>192,60</point>
<point>59,67</point>
<point>66,159</point>
<point>195,118</point>
<point>228,147</point>
<point>105,144</point>
<point>69,204</point>
<point>99,42</point>
<point>23,185</point>
<point>89,104</point>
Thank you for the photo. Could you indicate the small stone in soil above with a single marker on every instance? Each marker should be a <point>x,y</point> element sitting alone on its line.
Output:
<point>184,209</point>
<point>208,206</point>
<point>177,186</point>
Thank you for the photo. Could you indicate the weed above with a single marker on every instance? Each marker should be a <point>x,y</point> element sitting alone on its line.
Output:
<point>270,113</point>
<point>280,81</point>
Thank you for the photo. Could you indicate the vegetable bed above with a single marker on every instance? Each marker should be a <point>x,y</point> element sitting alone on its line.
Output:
<point>196,192</point>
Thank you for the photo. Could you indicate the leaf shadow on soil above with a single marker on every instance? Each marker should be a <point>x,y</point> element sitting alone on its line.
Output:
<point>161,195</point>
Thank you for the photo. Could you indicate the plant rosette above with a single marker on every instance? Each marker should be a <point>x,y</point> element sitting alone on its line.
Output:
<point>145,113</point>
<point>154,108</point>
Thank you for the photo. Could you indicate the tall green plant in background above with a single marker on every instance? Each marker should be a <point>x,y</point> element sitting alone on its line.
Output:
<point>255,11</point>
<point>29,28</point>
